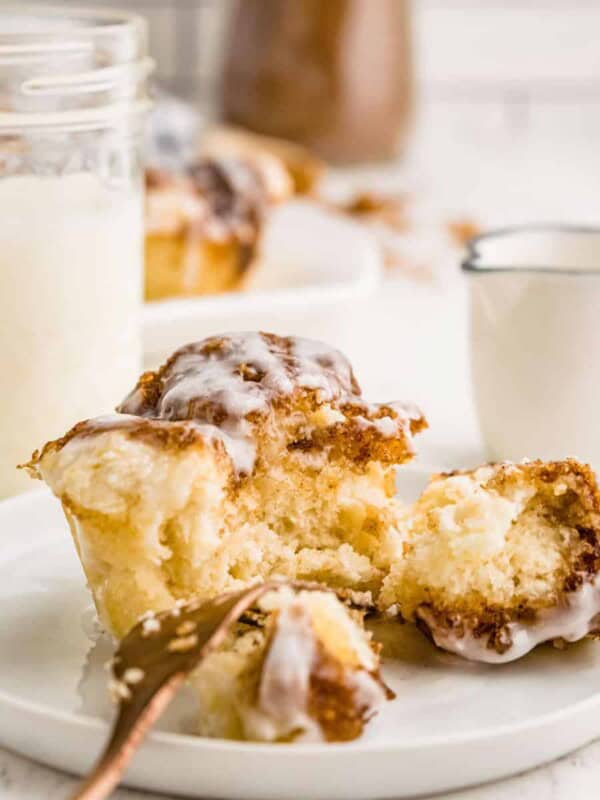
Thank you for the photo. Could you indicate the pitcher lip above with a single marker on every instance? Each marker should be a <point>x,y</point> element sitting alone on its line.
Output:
<point>469,263</point>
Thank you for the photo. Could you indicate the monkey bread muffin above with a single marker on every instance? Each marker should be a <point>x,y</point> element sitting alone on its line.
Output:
<point>302,668</point>
<point>502,558</point>
<point>204,226</point>
<point>245,456</point>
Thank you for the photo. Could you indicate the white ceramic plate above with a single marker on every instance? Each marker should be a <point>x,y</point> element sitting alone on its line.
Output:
<point>316,268</point>
<point>452,724</point>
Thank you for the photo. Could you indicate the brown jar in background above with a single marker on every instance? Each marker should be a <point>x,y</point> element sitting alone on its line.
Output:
<point>334,75</point>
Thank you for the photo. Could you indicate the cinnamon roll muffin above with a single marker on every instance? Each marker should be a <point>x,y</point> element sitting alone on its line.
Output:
<point>245,456</point>
<point>204,226</point>
<point>301,668</point>
<point>501,559</point>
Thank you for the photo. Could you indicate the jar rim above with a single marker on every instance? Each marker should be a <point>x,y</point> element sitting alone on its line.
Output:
<point>120,18</point>
<point>99,64</point>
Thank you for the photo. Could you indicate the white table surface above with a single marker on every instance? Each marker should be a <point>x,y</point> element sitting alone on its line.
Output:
<point>420,334</point>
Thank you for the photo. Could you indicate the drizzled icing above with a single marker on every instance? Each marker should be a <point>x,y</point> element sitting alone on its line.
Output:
<point>218,391</point>
<point>229,381</point>
<point>576,616</point>
<point>231,376</point>
<point>282,705</point>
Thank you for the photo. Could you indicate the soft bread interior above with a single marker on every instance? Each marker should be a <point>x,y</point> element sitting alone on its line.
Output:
<point>506,537</point>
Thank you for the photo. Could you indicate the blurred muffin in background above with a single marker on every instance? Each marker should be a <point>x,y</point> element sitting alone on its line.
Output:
<point>203,227</point>
<point>207,201</point>
<point>303,167</point>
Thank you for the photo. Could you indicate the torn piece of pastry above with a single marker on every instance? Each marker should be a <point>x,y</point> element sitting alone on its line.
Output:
<point>303,669</point>
<point>244,456</point>
<point>204,227</point>
<point>501,559</point>
<point>304,168</point>
<point>309,672</point>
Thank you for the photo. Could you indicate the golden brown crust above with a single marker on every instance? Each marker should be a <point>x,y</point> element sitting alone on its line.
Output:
<point>158,433</point>
<point>506,472</point>
<point>244,364</point>
<point>332,700</point>
<point>358,443</point>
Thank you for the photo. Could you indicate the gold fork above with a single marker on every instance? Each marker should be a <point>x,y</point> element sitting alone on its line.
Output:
<point>150,665</point>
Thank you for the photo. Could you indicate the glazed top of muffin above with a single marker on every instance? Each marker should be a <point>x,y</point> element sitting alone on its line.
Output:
<point>224,388</point>
<point>225,379</point>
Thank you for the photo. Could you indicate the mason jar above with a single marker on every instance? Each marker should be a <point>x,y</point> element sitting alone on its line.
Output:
<point>73,101</point>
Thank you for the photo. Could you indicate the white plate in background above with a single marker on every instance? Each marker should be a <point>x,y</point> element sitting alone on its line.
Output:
<point>453,723</point>
<point>317,267</point>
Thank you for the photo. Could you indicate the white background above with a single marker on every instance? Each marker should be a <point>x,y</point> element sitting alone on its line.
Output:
<point>508,131</point>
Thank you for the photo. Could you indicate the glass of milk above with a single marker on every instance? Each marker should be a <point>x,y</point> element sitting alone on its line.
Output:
<point>535,341</point>
<point>72,105</point>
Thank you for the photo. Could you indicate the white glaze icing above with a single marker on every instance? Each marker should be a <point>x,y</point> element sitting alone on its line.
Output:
<point>217,377</point>
<point>572,620</point>
<point>222,381</point>
<point>218,388</point>
<point>282,705</point>
<point>368,693</point>
<point>387,427</point>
